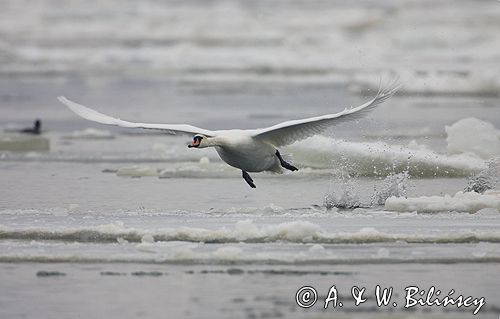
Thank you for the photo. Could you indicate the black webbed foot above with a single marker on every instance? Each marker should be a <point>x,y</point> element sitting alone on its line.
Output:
<point>285,164</point>
<point>248,179</point>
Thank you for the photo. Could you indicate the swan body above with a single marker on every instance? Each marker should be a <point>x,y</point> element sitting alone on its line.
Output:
<point>254,150</point>
<point>234,149</point>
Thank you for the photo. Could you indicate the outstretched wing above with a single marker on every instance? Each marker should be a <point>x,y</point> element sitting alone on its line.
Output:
<point>92,115</point>
<point>291,131</point>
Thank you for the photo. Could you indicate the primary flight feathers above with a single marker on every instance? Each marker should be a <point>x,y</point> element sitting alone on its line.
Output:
<point>93,115</point>
<point>288,132</point>
<point>278,135</point>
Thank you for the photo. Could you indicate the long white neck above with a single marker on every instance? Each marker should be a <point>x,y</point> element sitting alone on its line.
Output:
<point>211,142</point>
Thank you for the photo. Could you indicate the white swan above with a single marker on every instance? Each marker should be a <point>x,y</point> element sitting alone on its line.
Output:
<point>253,150</point>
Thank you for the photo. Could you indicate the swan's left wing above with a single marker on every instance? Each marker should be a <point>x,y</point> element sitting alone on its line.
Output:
<point>291,131</point>
<point>93,115</point>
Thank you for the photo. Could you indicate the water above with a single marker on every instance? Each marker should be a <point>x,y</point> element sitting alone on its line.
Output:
<point>115,223</point>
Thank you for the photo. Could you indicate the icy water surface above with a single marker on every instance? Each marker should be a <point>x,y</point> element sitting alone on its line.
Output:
<point>107,222</point>
<point>106,211</point>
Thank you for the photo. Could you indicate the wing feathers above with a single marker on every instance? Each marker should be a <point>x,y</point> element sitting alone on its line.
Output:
<point>278,135</point>
<point>291,131</point>
<point>92,115</point>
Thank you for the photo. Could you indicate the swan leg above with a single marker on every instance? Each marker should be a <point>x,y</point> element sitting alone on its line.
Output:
<point>285,164</point>
<point>248,179</point>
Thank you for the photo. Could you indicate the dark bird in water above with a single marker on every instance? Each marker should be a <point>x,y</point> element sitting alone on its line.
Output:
<point>36,129</point>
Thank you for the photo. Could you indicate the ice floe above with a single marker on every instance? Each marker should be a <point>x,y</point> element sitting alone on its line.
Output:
<point>461,202</point>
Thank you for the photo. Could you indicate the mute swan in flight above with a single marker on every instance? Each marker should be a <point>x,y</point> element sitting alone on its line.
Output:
<point>253,150</point>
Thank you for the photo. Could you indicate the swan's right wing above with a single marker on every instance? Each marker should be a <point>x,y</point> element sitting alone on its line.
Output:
<point>92,115</point>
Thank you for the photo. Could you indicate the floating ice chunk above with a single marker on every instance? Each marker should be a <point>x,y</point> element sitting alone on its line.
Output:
<point>147,239</point>
<point>295,231</point>
<point>23,143</point>
<point>175,240</point>
<point>368,231</point>
<point>471,135</point>
<point>461,202</point>
<point>228,252</point>
<point>317,250</point>
<point>272,208</point>
<point>204,168</point>
<point>246,229</point>
<point>180,253</point>
<point>90,134</point>
<point>136,171</point>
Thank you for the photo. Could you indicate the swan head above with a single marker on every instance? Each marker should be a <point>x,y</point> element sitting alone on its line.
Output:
<point>199,141</point>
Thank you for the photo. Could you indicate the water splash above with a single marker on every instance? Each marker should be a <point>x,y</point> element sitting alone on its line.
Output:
<point>345,196</point>
<point>485,179</point>
<point>393,185</point>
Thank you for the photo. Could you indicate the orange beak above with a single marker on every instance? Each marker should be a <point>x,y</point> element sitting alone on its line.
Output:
<point>194,143</point>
